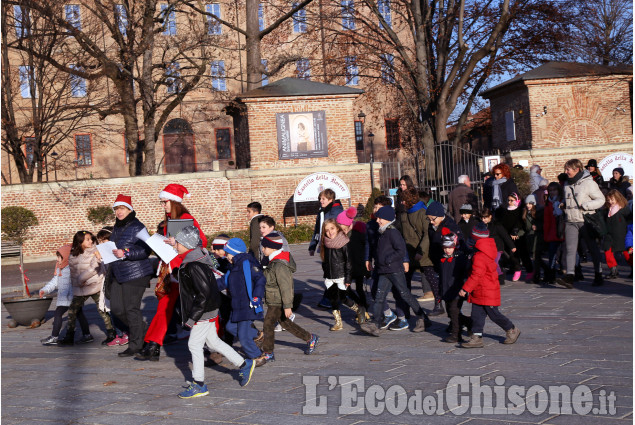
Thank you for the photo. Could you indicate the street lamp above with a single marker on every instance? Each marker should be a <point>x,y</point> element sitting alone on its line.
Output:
<point>371,138</point>
<point>54,156</point>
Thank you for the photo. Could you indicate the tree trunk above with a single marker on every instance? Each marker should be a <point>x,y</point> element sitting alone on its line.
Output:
<point>254,58</point>
<point>149,110</point>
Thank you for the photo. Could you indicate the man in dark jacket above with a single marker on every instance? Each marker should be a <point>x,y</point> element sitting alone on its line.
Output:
<point>200,301</point>
<point>462,194</point>
<point>253,213</point>
<point>391,249</point>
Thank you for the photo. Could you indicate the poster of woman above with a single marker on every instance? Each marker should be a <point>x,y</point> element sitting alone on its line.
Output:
<point>301,135</point>
<point>301,132</point>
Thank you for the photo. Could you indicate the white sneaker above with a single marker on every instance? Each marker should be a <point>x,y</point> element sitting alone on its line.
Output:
<point>278,328</point>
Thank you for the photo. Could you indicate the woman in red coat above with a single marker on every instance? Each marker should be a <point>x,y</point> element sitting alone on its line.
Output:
<point>171,199</point>
<point>485,295</point>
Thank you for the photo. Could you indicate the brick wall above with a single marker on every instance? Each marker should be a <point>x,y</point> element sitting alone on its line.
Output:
<point>218,200</point>
<point>340,129</point>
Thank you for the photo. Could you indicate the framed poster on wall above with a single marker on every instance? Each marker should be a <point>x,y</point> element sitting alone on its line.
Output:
<point>301,135</point>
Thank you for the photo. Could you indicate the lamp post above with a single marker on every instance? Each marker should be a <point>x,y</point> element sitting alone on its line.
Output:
<point>54,156</point>
<point>362,118</point>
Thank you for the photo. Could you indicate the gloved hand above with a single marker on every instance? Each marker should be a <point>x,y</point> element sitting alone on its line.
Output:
<point>256,303</point>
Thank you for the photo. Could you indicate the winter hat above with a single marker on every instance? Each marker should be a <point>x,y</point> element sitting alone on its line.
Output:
<point>220,241</point>
<point>124,200</point>
<point>174,192</point>
<point>346,217</point>
<point>619,170</point>
<point>591,163</point>
<point>65,252</point>
<point>435,209</point>
<point>189,237</point>
<point>530,199</point>
<point>386,213</point>
<point>235,246</point>
<point>449,239</point>
<point>480,231</point>
<point>466,209</point>
<point>272,240</point>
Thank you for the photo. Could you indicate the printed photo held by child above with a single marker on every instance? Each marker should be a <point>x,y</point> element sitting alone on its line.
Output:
<point>62,282</point>
<point>279,296</point>
<point>485,296</point>
<point>200,302</point>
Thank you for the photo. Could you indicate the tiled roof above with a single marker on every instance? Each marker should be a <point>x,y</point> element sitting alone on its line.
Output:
<point>298,87</point>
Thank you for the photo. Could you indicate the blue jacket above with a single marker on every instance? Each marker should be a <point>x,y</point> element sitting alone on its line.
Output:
<point>391,250</point>
<point>241,310</point>
<point>136,263</point>
<point>453,271</point>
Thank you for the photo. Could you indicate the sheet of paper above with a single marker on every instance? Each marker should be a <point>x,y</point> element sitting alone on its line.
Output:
<point>143,234</point>
<point>105,250</point>
<point>163,250</point>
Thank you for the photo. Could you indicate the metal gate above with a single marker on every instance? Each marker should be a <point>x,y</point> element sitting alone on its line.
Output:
<point>439,174</point>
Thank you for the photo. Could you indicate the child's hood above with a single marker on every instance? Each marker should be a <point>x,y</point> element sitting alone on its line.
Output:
<point>285,259</point>
<point>197,254</point>
<point>487,246</point>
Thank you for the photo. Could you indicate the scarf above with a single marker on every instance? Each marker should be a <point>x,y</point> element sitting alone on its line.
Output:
<point>496,198</point>
<point>614,209</point>
<point>555,203</point>
<point>128,219</point>
<point>65,252</point>
<point>337,242</point>
<point>575,178</point>
<point>383,228</point>
<point>416,207</point>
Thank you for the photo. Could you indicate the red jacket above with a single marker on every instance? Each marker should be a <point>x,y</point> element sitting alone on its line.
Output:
<point>550,232</point>
<point>176,262</point>
<point>482,285</point>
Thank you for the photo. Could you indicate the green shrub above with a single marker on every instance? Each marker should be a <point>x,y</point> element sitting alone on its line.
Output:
<point>521,178</point>
<point>370,205</point>
<point>16,222</point>
<point>101,215</point>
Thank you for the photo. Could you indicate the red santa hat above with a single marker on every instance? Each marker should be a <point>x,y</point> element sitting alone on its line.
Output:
<point>124,200</point>
<point>174,192</point>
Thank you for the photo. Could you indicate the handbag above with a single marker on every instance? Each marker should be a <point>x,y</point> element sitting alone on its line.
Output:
<point>594,220</point>
<point>164,282</point>
<point>560,225</point>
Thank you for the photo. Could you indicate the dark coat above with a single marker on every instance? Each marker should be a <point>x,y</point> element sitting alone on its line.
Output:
<point>236,286</point>
<point>482,285</point>
<point>617,228</point>
<point>511,220</point>
<point>136,264</point>
<point>621,185</point>
<point>254,236</point>
<point>436,249</point>
<point>462,194</point>
<point>391,250</point>
<point>331,211</point>
<point>372,237</point>
<point>467,226</point>
<point>357,248</point>
<point>501,238</point>
<point>452,273</point>
<point>337,263</point>
<point>198,289</point>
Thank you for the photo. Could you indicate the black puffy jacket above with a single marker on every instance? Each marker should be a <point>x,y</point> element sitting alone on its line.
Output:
<point>337,263</point>
<point>198,288</point>
<point>136,264</point>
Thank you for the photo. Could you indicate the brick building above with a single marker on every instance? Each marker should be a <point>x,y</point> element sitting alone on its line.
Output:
<point>563,110</point>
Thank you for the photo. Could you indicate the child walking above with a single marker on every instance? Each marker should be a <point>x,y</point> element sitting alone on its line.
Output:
<point>485,296</point>
<point>279,296</point>
<point>62,282</point>
<point>391,250</point>
<point>200,301</point>
<point>337,267</point>
<point>87,278</point>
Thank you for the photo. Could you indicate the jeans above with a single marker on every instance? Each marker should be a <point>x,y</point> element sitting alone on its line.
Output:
<point>275,313</point>
<point>246,333</point>
<point>481,312</point>
<point>551,253</point>
<point>386,282</point>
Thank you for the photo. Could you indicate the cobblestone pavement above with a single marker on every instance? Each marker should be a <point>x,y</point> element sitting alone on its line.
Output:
<point>580,337</point>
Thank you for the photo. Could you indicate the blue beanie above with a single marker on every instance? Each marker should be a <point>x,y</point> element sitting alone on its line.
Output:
<point>386,213</point>
<point>235,246</point>
<point>435,209</point>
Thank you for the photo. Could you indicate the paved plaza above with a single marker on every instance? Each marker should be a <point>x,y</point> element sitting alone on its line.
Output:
<point>580,338</point>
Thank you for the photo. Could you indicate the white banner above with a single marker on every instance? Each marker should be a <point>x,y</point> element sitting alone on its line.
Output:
<point>311,186</point>
<point>616,160</point>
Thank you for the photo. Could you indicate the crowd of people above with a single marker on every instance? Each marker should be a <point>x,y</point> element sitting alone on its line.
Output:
<point>214,296</point>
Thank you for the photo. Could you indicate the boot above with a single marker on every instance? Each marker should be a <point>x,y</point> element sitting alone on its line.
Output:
<point>421,324</point>
<point>512,335</point>
<point>550,276</point>
<point>566,281</point>
<point>338,321</point>
<point>598,281</point>
<point>150,351</point>
<point>358,311</point>
<point>501,279</point>
<point>361,315</point>
<point>110,336</point>
<point>437,311</point>
<point>578,274</point>
<point>476,341</point>
<point>68,340</point>
<point>613,273</point>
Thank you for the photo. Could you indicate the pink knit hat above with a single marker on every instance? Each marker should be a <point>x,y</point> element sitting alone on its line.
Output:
<point>346,217</point>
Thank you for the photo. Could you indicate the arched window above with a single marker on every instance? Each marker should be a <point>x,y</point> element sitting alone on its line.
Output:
<point>178,147</point>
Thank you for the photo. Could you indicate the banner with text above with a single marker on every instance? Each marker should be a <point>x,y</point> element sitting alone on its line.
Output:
<point>311,186</point>
<point>301,135</point>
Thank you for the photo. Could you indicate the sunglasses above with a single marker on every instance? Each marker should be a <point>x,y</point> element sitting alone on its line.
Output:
<point>163,202</point>
<point>498,174</point>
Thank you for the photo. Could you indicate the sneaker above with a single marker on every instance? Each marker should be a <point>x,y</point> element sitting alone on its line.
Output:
<point>311,345</point>
<point>85,339</point>
<point>399,325</point>
<point>246,372</point>
<point>388,320</point>
<point>115,342</point>
<point>516,276</point>
<point>269,357</point>
<point>370,328</point>
<point>427,296</point>
<point>194,390</point>
<point>124,339</point>
<point>278,328</point>
<point>476,341</point>
<point>50,340</point>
